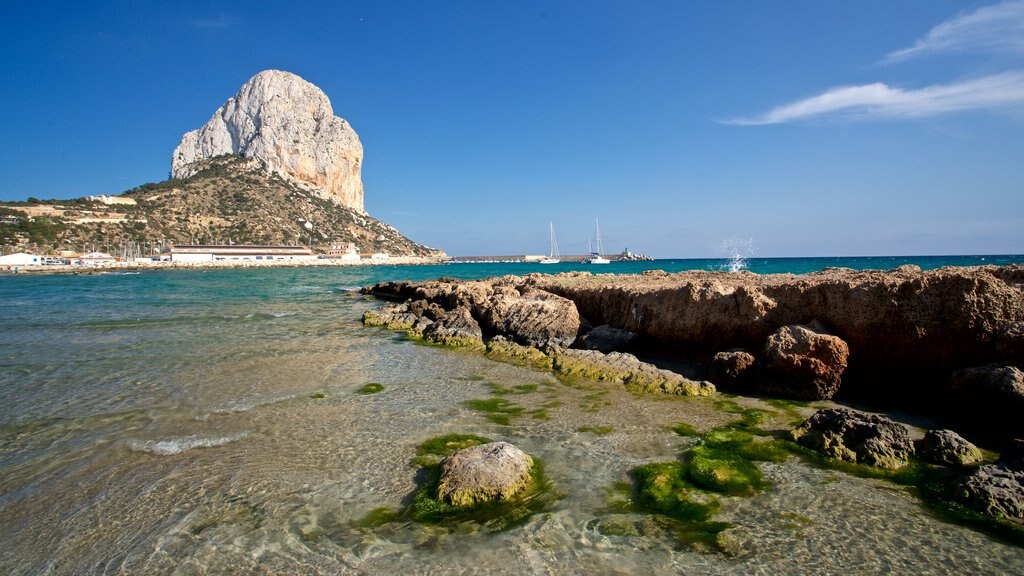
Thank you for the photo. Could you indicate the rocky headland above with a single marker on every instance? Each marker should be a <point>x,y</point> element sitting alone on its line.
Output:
<point>287,124</point>
<point>274,165</point>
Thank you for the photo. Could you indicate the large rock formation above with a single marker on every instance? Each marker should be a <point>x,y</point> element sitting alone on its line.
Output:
<point>892,337</point>
<point>288,124</point>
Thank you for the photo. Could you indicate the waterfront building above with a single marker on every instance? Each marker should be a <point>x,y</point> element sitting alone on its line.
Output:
<point>211,253</point>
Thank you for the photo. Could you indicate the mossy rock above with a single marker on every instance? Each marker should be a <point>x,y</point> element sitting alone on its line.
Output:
<point>504,350</point>
<point>370,388</point>
<point>745,445</point>
<point>390,317</point>
<point>617,525</point>
<point>724,471</point>
<point>662,487</point>
<point>494,516</point>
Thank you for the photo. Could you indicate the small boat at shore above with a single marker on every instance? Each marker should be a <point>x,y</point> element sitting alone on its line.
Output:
<point>553,251</point>
<point>595,257</point>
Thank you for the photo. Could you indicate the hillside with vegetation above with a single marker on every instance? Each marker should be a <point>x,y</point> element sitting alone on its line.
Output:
<point>229,200</point>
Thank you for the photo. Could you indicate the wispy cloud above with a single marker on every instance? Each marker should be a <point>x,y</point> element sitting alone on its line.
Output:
<point>996,28</point>
<point>999,91</point>
<point>221,21</point>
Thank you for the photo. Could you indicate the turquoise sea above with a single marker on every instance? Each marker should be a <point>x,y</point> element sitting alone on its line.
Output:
<point>171,422</point>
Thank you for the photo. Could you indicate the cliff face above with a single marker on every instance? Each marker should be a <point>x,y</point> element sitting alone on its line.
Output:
<point>287,124</point>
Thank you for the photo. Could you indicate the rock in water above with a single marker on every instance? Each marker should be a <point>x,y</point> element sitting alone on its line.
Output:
<point>854,436</point>
<point>484,473</point>
<point>289,125</point>
<point>994,490</point>
<point>948,448</point>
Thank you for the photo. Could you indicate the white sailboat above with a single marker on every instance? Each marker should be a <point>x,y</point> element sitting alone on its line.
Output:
<point>596,257</point>
<point>553,252</point>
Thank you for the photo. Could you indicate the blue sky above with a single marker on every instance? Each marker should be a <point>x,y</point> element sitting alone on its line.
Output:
<point>807,127</point>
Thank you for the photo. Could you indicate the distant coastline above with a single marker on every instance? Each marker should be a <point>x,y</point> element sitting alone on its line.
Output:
<point>143,264</point>
<point>485,266</point>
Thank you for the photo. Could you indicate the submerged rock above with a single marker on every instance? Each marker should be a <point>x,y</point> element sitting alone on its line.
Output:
<point>994,490</point>
<point>733,369</point>
<point>391,317</point>
<point>947,448</point>
<point>803,362</point>
<point>484,473</point>
<point>627,369</point>
<point>854,436</point>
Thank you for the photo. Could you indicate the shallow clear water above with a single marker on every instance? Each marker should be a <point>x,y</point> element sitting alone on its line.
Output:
<point>163,423</point>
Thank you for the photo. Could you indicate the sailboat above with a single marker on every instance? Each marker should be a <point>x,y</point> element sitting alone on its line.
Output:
<point>596,257</point>
<point>553,253</point>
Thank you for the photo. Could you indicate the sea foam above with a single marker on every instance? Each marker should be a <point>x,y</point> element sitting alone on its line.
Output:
<point>179,445</point>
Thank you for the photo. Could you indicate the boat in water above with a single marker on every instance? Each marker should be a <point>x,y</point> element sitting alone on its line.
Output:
<point>553,251</point>
<point>595,257</point>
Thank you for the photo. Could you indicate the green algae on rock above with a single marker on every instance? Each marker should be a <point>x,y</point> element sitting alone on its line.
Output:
<point>855,436</point>
<point>628,370</point>
<point>432,450</point>
<point>724,471</point>
<point>483,473</point>
<point>504,350</point>
<point>497,410</point>
<point>495,511</point>
<point>662,487</point>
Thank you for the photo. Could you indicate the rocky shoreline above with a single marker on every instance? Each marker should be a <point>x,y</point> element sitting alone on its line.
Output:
<point>948,343</point>
<point>952,338</point>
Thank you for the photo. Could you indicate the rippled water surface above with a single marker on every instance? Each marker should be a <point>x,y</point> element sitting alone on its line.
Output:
<point>172,423</point>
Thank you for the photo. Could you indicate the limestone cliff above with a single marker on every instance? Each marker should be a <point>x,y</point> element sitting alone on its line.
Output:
<point>288,124</point>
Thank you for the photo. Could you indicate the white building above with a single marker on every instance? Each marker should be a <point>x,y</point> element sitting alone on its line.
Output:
<point>212,253</point>
<point>20,259</point>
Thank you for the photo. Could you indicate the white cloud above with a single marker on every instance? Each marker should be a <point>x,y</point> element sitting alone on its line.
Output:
<point>996,28</point>
<point>999,91</point>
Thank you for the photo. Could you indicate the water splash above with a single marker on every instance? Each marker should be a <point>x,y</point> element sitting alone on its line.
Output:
<point>178,445</point>
<point>737,252</point>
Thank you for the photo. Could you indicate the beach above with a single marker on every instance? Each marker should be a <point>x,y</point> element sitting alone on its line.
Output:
<point>196,421</point>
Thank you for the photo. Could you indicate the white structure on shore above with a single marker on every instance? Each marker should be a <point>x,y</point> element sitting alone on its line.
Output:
<point>20,259</point>
<point>212,253</point>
